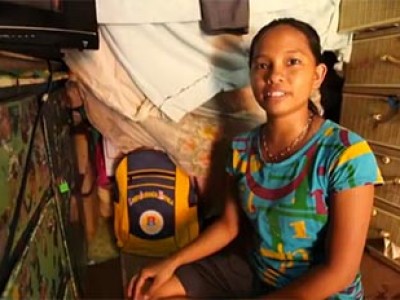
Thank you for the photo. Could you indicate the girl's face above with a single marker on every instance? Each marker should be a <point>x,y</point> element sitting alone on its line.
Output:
<point>284,71</point>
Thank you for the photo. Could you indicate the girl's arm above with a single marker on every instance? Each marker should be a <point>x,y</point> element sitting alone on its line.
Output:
<point>350,213</point>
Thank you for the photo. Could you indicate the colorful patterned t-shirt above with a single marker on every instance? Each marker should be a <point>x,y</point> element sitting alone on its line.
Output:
<point>288,202</point>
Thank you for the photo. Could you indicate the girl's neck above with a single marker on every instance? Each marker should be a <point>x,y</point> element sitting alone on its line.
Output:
<point>281,138</point>
<point>281,130</point>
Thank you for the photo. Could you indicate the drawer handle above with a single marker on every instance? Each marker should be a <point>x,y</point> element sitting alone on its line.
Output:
<point>390,58</point>
<point>385,159</point>
<point>392,181</point>
<point>394,104</point>
<point>377,117</point>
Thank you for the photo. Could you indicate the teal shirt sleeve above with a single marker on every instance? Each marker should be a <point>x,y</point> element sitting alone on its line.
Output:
<point>355,166</point>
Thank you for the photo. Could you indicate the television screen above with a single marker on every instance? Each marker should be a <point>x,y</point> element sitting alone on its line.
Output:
<point>29,26</point>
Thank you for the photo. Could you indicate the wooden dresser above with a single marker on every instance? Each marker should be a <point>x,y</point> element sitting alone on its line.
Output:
<point>40,245</point>
<point>370,107</point>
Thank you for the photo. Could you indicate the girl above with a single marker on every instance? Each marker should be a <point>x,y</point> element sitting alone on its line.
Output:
<point>305,184</point>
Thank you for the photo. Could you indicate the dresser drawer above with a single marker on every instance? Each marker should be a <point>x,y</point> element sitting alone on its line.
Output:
<point>43,267</point>
<point>388,194</point>
<point>386,221</point>
<point>374,62</point>
<point>362,14</point>
<point>373,117</point>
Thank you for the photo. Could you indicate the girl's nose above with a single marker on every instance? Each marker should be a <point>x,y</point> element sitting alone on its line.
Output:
<point>274,76</point>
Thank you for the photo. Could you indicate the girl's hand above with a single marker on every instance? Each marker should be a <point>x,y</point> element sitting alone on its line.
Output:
<point>149,279</point>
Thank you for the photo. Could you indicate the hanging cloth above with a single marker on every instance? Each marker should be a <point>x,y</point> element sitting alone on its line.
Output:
<point>224,16</point>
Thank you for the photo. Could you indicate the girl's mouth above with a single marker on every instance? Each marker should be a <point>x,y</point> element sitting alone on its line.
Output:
<point>275,94</point>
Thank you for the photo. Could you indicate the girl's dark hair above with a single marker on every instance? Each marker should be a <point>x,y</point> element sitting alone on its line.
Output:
<point>309,32</point>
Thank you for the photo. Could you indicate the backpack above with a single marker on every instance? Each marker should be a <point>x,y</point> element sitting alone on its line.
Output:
<point>156,212</point>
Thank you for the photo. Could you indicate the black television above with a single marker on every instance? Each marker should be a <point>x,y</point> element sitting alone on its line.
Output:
<point>44,27</point>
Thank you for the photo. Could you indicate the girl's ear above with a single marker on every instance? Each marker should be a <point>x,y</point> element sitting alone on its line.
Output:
<point>320,72</point>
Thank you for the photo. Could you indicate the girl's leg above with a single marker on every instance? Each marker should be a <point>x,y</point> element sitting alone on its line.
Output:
<point>223,275</point>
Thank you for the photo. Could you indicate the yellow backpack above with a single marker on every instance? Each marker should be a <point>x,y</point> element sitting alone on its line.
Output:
<point>156,212</point>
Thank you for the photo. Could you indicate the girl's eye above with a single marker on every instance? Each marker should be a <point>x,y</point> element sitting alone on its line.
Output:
<point>262,66</point>
<point>294,61</point>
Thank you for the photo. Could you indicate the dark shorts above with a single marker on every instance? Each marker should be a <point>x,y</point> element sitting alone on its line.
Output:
<point>226,274</point>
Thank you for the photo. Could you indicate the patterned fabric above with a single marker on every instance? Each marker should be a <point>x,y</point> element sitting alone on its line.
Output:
<point>288,202</point>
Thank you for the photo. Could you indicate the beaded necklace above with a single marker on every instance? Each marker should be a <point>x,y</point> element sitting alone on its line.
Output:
<point>288,149</point>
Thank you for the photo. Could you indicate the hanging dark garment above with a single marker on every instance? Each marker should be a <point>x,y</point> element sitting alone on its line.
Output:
<point>226,16</point>
<point>331,88</point>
